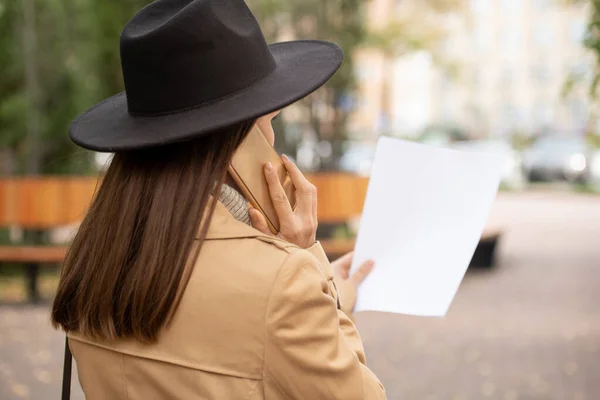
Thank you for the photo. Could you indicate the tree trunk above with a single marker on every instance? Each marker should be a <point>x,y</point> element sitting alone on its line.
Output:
<point>32,84</point>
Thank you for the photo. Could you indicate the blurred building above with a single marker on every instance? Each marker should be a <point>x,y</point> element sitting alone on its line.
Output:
<point>505,65</point>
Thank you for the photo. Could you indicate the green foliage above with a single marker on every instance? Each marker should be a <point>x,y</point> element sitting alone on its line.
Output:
<point>593,140</point>
<point>13,104</point>
<point>107,19</point>
<point>338,21</point>
<point>55,106</point>
<point>591,42</point>
<point>344,23</point>
<point>521,141</point>
<point>77,64</point>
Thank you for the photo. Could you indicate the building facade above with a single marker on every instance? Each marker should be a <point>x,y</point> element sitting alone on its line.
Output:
<point>506,64</point>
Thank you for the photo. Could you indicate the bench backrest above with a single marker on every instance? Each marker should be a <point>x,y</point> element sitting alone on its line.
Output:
<point>44,203</point>
<point>341,196</point>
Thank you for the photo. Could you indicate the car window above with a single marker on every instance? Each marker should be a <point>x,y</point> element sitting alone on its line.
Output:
<point>560,145</point>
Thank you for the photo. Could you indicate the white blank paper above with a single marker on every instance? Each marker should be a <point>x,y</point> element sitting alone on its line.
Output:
<point>424,214</point>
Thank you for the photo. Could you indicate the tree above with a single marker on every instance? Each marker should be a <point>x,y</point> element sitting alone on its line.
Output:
<point>344,22</point>
<point>401,35</point>
<point>57,58</point>
<point>13,102</point>
<point>38,89</point>
<point>592,40</point>
<point>106,20</point>
<point>338,21</point>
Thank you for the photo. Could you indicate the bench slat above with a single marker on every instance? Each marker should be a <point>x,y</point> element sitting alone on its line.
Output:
<point>33,254</point>
<point>337,247</point>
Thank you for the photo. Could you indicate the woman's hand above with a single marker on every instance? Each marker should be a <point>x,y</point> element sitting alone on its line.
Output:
<point>297,226</point>
<point>347,284</point>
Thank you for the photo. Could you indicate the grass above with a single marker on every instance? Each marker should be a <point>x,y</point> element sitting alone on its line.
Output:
<point>4,236</point>
<point>563,187</point>
<point>13,283</point>
<point>585,188</point>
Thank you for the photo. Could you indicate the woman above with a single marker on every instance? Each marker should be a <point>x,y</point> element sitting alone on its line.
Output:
<point>167,292</point>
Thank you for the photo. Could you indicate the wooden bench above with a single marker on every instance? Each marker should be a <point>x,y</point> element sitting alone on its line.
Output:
<point>341,198</point>
<point>31,257</point>
<point>485,253</point>
<point>39,205</point>
<point>43,204</point>
<point>484,256</point>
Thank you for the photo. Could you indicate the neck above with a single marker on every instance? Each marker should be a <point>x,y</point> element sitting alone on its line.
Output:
<point>230,182</point>
<point>235,202</point>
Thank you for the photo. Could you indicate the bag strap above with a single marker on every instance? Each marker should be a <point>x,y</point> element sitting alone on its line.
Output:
<point>66,385</point>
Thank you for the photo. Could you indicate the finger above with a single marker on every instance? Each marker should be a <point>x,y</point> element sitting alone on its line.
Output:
<point>362,272</point>
<point>306,192</point>
<point>344,263</point>
<point>278,197</point>
<point>259,221</point>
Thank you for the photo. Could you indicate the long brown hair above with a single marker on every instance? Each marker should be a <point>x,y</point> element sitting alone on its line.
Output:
<point>130,260</point>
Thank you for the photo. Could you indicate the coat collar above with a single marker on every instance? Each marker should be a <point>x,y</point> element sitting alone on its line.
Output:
<point>224,226</point>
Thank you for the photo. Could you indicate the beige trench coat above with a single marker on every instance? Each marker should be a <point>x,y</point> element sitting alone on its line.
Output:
<point>258,320</point>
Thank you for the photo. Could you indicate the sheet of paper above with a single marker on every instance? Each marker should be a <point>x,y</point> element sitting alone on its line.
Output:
<point>425,211</point>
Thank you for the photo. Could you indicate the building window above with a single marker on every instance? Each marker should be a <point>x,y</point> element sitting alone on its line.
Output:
<point>544,114</point>
<point>480,6</point>
<point>541,74</point>
<point>542,4</point>
<point>482,38</point>
<point>543,36</point>
<point>579,70</point>
<point>507,78</point>
<point>512,40</point>
<point>578,30</point>
<point>476,80</point>
<point>511,7</point>
<point>510,114</point>
<point>579,112</point>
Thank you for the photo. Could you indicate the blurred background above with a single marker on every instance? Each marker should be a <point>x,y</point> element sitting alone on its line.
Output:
<point>515,76</point>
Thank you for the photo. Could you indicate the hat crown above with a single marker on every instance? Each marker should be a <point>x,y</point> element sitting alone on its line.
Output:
<point>181,54</point>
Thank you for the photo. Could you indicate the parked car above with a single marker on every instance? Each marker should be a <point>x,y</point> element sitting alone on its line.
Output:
<point>556,158</point>
<point>359,156</point>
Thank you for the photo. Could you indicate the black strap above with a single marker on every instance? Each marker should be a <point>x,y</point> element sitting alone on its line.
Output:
<point>66,386</point>
<point>337,295</point>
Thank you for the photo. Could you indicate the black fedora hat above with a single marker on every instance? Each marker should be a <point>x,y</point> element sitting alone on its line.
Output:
<point>193,66</point>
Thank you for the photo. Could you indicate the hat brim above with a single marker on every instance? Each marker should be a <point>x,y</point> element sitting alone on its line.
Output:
<point>302,67</point>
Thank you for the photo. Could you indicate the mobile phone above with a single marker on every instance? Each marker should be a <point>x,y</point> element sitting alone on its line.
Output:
<point>247,170</point>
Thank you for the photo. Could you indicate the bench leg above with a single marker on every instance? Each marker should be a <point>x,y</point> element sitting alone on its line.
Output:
<point>32,272</point>
<point>485,253</point>
<point>33,237</point>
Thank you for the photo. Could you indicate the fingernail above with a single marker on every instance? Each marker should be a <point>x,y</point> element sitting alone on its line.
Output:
<point>269,167</point>
<point>284,157</point>
<point>370,263</point>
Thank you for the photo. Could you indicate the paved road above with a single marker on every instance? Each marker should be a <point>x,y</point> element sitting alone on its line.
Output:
<point>528,330</point>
